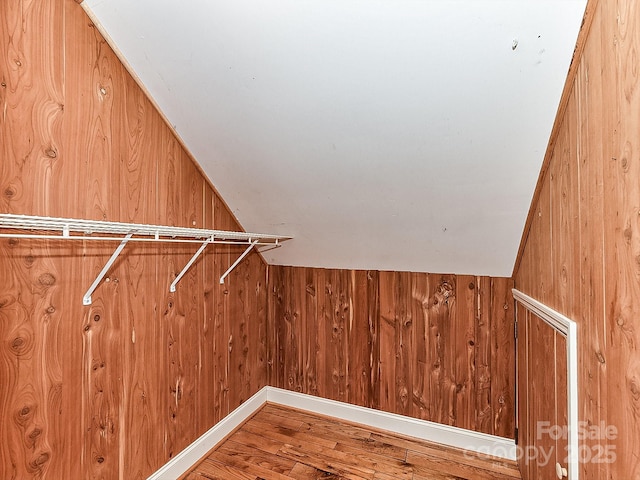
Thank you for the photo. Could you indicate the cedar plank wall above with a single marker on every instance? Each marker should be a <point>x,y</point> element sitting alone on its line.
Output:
<point>430,346</point>
<point>582,253</point>
<point>115,389</point>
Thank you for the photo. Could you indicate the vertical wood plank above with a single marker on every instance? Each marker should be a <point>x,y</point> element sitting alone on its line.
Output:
<point>338,312</point>
<point>93,138</point>
<point>314,292</point>
<point>502,357</point>
<point>373,301</point>
<point>140,444</point>
<point>463,346</point>
<point>562,416</point>
<point>360,341</point>
<point>542,385</point>
<point>592,351</point>
<point>210,411</point>
<point>323,333</point>
<point>276,315</point>
<point>564,215</point>
<point>32,98</point>
<point>484,356</point>
<point>622,234</point>
<point>403,343</point>
<point>294,329</point>
<point>387,342</point>
<point>524,402</point>
<point>420,363</point>
<point>180,203</point>
<point>442,387</point>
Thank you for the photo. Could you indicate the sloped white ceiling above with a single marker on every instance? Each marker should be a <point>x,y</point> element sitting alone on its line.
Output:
<point>381,134</point>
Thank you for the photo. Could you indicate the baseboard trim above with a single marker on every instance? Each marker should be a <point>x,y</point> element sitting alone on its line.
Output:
<point>400,424</point>
<point>422,429</point>
<point>187,458</point>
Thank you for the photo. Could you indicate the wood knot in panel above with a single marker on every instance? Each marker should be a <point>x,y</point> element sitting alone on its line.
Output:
<point>6,300</point>
<point>634,389</point>
<point>10,192</point>
<point>33,437</point>
<point>445,289</point>
<point>21,344</point>
<point>24,415</point>
<point>37,464</point>
<point>46,279</point>
<point>624,163</point>
<point>97,365</point>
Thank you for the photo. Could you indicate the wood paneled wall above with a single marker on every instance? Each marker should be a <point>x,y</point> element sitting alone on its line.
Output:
<point>582,252</point>
<point>542,397</point>
<point>115,389</point>
<point>435,347</point>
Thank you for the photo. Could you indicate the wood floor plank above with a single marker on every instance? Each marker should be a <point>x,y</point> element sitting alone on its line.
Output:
<point>425,474</point>
<point>379,463</point>
<point>306,472</point>
<point>468,458</point>
<point>291,421</point>
<point>280,443</point>
<point>423,463</point>
<point>286,435</point>
<point>324,425</point>
<point>375,447</point>
<point>327,460</point>
<point>262,472</point>
<point>211,469</point>
<point>245,455</point>
<point>257,441</point>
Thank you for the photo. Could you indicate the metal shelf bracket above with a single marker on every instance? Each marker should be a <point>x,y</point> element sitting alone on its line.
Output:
<point>235,264</point>
<point>172,287</point>
<point>86,300</point>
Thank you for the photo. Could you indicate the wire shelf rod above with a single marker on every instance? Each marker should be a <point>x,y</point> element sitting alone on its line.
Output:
<point>69,226</point>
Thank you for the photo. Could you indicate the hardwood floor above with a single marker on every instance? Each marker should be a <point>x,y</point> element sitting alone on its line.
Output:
<point>279,443</point>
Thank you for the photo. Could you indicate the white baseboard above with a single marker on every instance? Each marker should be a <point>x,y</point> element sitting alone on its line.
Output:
<point>400,424</point>
<point>188,457</point>
<point>422,429</point>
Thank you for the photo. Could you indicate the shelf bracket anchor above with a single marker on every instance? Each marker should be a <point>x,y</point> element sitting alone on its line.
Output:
<point>235,264</point>
<point>172,287</point>
<point>86,300</point>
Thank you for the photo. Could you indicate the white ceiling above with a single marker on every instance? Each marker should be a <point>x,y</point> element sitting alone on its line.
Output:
<point>382,134</point>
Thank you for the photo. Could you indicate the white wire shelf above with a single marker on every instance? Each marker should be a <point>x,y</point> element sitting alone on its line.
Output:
<point>75,229</point>
<point>91,229</point>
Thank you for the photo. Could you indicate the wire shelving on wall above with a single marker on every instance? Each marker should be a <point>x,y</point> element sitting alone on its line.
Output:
<point>28,226</point>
